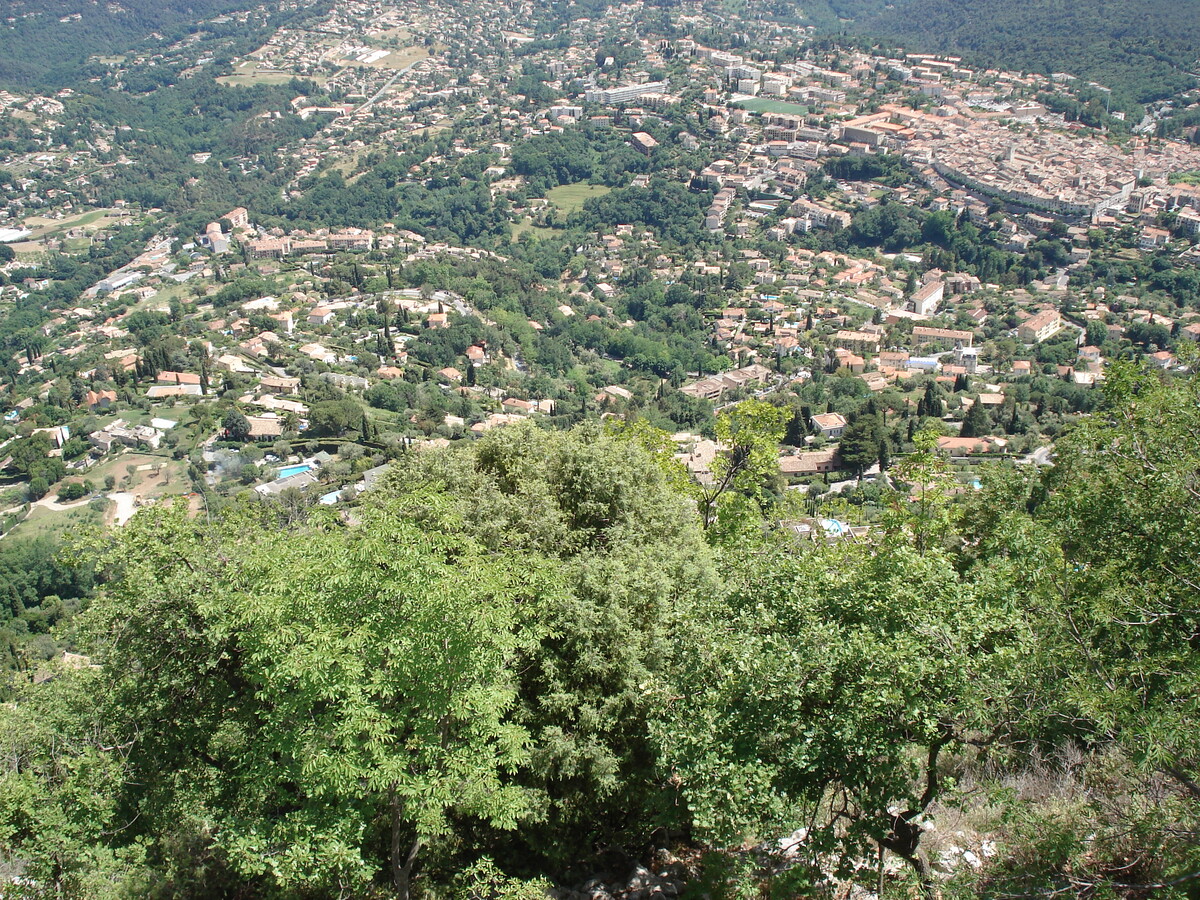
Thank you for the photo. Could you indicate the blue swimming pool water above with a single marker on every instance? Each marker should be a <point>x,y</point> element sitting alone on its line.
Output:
<point>289,471</point>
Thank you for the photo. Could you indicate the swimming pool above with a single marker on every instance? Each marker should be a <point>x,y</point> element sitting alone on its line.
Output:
<point>289,471</point>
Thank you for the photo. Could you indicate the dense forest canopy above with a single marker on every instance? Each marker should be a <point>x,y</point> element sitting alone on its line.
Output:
<point>531,650</point>
<point>1144,50</point>
<point>535,647</point>
<point>48,43</point>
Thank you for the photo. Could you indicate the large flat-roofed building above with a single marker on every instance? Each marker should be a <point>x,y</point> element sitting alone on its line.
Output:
<point>623,94</point>
<point>642,142</point>
<point>238,217</point>
<point>270,247</point>
<point>927,298</point>
<point>1044,325</point>
<point>950,337</point>
<point>861,135</point>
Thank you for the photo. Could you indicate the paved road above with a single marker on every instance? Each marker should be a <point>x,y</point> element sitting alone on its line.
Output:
<point>869,475</point>
<point>1040,457</point>
<point>50,501</point>
<point>367,104</point>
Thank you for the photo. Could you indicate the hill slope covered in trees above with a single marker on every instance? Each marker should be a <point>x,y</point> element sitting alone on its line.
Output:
<point>48,43</point>
<point>554,651</point>
<point>1145,50</point>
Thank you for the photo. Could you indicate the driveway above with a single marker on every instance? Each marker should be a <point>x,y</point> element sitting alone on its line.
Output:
<point>125,506</point>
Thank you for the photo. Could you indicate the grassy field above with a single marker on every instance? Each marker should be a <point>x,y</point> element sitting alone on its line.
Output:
<point>527,227</point>
<point>397,59</point>
<point>763,105</point>
<point>44,228</point>
<point>402,59</point>
<point>247,74</point>
<point>43,522</point>
<point>172,290</point>
<point>145,475</point>
<point>11,496</point>
<point>433,129</point>
<point>252,78</point>
<point>392,35</point>
<point>27,248</point>
<point>350,165</point>
<point>569,198</point>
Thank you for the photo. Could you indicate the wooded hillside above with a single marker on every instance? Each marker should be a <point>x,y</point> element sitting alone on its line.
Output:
<point>47,43</point>
<point>1145,50</point>
<point>553,651</point>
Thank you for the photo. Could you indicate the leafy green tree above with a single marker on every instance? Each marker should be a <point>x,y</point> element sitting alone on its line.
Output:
<point>334,418</point>
<point>31,457</point>
<point>932,516</point>
<point>859,444</point>
<point>823,688</point>
<point>1097,333</point>
<point>38,488</point>
<point>1122,503</point>
<point>485,881</point>
<point>933,404</point>
<point>313,705</point>
<point>612,511</point>
<point>977,422</point>
<point>748,436</point>
<point>60,786</point>
<point>74,491</point>
<point>1101,550</point>
<point>1150,336</point>
<point>236,425</point>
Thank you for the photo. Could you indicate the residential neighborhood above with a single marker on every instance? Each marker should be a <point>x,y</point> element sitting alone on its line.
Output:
<point>903,232</point>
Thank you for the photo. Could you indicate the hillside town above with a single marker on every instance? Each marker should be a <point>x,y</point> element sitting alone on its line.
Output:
<point>876,240</point>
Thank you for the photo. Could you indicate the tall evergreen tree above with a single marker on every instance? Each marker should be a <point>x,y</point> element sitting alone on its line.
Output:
<point>977,422</point>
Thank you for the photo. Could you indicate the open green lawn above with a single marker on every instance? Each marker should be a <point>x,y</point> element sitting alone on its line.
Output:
<point>525,226</point>
<point>350,165</point>
<point>762,104</point>
<point>27,248</point>
<point>172,290</point>
<point>385,38</point>
<point>43,522</point>
<point>252,78</point>
<point>569,198</point>
<point>247,74</point>
<point>44,228</point>
<point>401,59</point>
<point>143,474</point>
